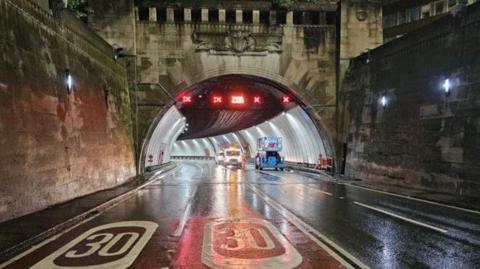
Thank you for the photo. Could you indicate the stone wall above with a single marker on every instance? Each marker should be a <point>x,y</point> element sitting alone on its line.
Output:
<point>175,56</point>
<point>423,138</point>
<point>57,145</point>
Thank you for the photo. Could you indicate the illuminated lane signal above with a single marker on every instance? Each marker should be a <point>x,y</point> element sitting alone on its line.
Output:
<point>238,100</point>
<point>187,99</point>
<point>286,99</point>
<point>257,100</point>
<point>217,99</point>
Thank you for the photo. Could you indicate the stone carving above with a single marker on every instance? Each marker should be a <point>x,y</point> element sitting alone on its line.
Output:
<point>238,42</point>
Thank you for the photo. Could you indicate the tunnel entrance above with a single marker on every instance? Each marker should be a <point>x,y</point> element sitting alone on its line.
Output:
<point>212,114</point>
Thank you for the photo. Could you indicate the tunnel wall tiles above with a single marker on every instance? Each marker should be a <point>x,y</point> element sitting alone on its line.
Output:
<point>57,146</point>
<point>423,138</point>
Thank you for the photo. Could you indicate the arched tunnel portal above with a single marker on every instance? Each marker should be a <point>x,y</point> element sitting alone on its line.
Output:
<point>235,108</point>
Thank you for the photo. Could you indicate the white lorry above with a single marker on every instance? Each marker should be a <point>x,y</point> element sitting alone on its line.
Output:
<point>233,157</point>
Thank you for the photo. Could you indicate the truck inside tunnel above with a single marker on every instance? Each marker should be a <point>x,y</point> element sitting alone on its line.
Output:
<point>235,109</point>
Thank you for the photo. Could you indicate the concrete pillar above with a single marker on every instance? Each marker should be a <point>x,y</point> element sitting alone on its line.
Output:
<point>256,16</point>
<point>273,17</point>
<point>222,14</point>
<point>289,18</point>
<point>152,14</point>
<point>204,14</point>
<point>187,14</point>
<point>135,12</point>
<point>238,16</point>
<point>322,18</point>
<point>170,15</point>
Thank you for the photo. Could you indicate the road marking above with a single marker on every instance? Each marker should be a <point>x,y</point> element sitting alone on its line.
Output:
<point>415,199</point>
<point>99,247</point>
<point>328,245</point>
<point>45,242</point>
<point>186,213</point>
<point>317,176</point>
<point>324,192</point>
<point>247,243</point>
<point>401,217</point>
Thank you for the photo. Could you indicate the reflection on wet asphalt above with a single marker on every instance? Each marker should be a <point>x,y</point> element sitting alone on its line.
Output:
<point>212,217</point>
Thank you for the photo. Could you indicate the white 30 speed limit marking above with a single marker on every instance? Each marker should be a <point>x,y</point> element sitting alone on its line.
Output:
<point>247,243</point>
<point>113,246</point>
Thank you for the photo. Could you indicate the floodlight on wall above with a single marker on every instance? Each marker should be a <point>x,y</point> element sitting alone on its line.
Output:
<point>68,81</point>
<point>118,53</point>
<point>384,101</point>
<point>447,85</point>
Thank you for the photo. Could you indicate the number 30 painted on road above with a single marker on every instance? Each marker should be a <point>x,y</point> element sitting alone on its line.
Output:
<point>113,246</point>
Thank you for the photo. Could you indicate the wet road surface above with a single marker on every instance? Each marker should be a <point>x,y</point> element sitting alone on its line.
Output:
<point>206,216</point>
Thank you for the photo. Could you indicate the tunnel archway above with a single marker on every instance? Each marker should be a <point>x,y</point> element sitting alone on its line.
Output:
<point>192,117</point>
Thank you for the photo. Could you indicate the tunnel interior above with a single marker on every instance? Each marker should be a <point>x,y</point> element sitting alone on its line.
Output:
<point>234,110</point>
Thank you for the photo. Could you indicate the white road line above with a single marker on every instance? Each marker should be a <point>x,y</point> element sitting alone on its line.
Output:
<point>188,208</point>
<point>415,199</point>
<point>324,192</point>
<point>45,242</point>
<point>396,195</point>
<point>402,218</point>
<point>313,234</point>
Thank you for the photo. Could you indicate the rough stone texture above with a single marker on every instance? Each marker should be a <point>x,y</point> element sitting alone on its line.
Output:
<point>423,139</point>
<point>57,146</point>
<point>360,29</point>
<point>168,54</point>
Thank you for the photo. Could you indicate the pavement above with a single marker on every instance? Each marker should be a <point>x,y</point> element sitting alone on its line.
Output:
<point>208,216</point>
<point>20,233</point>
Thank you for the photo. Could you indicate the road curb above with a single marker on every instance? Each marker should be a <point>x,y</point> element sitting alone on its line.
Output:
<point>24,245</point>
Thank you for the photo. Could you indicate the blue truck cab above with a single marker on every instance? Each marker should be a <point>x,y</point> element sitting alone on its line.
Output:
<point>268,155</point>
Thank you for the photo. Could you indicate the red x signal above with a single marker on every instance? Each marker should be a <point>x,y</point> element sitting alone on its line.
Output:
<point>257,100</point>
<point>217,100</point>
<point>286,99</point>
<point>186,99</point>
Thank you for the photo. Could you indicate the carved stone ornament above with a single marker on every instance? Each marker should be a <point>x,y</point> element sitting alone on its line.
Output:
<point>362,13</point>
<point>237,42</point>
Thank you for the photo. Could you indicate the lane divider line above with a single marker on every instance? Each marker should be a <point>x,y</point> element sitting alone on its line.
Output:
<point>394,194</point>
<point>402,218</point>
<point>324,242</point>
<point>415,199</point>
<point>187,211</point>
<point>305,184</point>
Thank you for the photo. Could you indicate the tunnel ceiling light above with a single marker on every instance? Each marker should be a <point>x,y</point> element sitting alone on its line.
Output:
<point>217,99</point>
<point>237,100</point>
<point>187,99</point>
<point>68,81</point>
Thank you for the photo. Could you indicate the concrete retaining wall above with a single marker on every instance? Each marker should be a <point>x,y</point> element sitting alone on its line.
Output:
<point>56,145</point>
<point>423,138</point>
